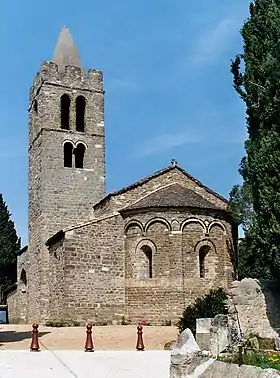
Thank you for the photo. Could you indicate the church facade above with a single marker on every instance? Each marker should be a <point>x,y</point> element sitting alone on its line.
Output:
<point>142,253</point>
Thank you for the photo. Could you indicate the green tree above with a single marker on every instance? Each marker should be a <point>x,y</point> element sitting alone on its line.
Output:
<point>9,247</point>
<point>240,200</point>
<point>259,87</point>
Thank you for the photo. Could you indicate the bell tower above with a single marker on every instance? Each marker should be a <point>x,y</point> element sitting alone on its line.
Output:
<point>66,151</point>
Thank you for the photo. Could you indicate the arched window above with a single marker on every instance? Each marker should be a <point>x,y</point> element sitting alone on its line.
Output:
<point>79,155</point>
<point>80,113</point>
<point>68,153</point>
<point>149,260</point>
<point>23,278</point>
<point>65,112</point>
<point>202,255</point>
<point>23,281</point>
<point>35,106</point>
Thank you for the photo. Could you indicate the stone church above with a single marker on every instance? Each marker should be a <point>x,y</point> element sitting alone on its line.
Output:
<point>141,253</point>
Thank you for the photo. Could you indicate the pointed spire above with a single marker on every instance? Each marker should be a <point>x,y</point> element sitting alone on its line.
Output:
<point>66,52</point>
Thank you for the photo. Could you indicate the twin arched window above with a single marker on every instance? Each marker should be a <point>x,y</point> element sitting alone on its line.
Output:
<point>65,103</point>
<point>74,156</point>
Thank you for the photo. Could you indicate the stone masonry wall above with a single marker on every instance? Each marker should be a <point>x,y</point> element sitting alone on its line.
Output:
<point>57,281</point>
<point>17,299</point>
<point>174,238</point>
<point>12,302</point>
<point>60,197</point>
<point>106,271</point>
<point>93,272</point>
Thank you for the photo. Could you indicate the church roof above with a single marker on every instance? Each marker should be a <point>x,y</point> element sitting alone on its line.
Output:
<point>66,52</point>
<point>156,174</point>
<point>174,195</point>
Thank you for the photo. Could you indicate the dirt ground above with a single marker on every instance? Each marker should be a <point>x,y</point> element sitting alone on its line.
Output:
<point>107,337</point>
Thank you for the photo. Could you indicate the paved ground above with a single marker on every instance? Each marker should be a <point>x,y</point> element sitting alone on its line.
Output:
<point>73,338</point>
<point>78,364</point>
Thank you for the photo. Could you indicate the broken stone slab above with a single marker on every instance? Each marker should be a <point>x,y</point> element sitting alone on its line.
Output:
<point>223,369</point>
<point>185,344</point>
<point>219,335</point>
<point>199,366</point>
<point>203,326</point>
<point>269,373</point>
<point>188,365</point>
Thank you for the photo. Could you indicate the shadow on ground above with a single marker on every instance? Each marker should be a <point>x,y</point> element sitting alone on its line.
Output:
<point>12,336</point>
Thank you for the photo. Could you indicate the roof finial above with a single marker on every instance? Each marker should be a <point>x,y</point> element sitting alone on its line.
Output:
<point>174,163</point>
<point>66,52</point>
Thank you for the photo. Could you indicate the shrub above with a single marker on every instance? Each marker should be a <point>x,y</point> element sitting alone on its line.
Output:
<point>208,306</point>
<point>262,359</point>
<point>55,323</point>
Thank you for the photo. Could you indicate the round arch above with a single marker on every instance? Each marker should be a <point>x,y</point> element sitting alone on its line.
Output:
<point>159,220</point>
<point>68,141</point>
<point>144,262</point>
<point>205,242</point>
<point>23,280</point>
<point>134,222</point>
<point>217,223</point>
<point>81,142</point>
<point>193,220</point>
<point>144,242</point>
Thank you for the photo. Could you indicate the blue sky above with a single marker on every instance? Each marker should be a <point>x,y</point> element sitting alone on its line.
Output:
<point>166,74</point>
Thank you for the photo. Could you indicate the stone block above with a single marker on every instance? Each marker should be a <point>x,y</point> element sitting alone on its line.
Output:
<point>246,371</point>
<point>203,326</point>
<point>215,370</point>
<point>186,344</point>
<point>219,334</point>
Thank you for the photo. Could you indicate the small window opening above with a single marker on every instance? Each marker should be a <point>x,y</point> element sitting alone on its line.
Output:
<point>65,112</point>
<point>68,153</point>
<point>80,113</point>
<point>79,155</point>
<point>149,256</point>
<point>23,278</point>
<point>202,255</point>
<point>35,106</point>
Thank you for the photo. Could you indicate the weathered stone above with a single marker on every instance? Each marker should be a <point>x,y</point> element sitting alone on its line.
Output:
<point>201,367</point>
<point>254,343</point>
<point>134,252</point>
<point>246,371</point>
<point>203,326</point>
<point>215,370</point>
<point>186,344</point>
<point>255,304</point>
<point>219,334</point>
<point>269,373</point>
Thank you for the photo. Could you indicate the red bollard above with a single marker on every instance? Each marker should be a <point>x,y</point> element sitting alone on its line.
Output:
<point>140,344</point>
<point>34,346</point>
<point>89,343</point>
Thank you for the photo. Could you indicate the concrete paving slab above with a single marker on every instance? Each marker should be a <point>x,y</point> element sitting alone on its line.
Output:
<point>78,364</point>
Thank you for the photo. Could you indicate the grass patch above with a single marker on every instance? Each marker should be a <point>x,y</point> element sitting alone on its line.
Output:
<point>262,359</point>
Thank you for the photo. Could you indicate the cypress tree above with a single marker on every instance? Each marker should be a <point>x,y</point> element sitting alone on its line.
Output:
<point>258,85</point>
<point>9,247</point>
